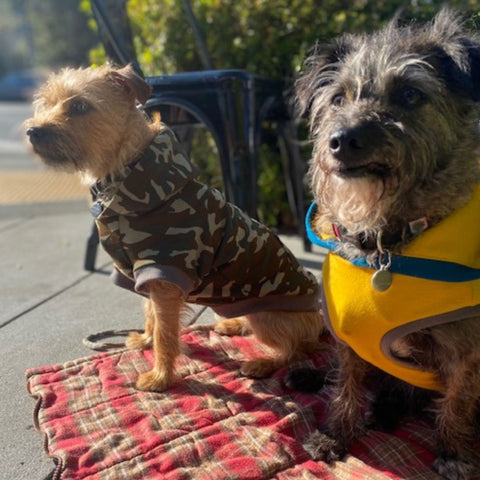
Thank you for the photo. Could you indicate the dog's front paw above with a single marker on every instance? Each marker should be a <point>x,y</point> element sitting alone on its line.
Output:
<point>154,381</point>
<point>139,341</point>
<point>321,447</point>
<point>454,468</point>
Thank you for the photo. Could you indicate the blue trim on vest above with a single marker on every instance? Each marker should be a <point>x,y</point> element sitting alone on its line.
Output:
<point>427,269</point>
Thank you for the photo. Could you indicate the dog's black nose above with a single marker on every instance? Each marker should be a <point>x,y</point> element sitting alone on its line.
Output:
<point>34,133</point>
<point>350,144</point>
<point>38,135</point>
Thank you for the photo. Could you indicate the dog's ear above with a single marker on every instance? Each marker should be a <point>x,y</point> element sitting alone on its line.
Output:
<point>462,77</point>
<point>460,71</point>
<point>320,69</point>
<point>455,54</point>
<point>472,49</point>
<point>133,83</point>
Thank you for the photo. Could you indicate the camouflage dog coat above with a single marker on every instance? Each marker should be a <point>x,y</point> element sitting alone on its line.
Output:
<point>158,223</point>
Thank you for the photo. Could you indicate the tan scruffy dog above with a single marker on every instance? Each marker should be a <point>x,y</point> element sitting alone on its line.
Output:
<point>172,239</point>
<point>395,174</point>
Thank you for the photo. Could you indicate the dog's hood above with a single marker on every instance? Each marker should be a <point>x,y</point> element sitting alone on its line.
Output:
<point>162,170</point>
<point>369,321</point>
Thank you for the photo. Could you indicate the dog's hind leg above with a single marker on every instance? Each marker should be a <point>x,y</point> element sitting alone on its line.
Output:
<point>292,335</point>
<point>456,421</point>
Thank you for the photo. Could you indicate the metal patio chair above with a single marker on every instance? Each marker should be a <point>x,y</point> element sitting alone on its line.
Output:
<point>231,104</point>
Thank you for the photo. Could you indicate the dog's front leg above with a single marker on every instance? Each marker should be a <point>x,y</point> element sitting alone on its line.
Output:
<point>143,340</point>
<point>345,421</point>
<point>345,413</point>
<point>166,302</point>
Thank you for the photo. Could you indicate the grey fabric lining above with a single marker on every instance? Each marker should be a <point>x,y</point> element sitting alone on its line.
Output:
<point>421,324</point>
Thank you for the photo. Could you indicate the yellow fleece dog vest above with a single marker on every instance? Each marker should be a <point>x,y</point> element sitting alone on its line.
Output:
<point>435,281</point>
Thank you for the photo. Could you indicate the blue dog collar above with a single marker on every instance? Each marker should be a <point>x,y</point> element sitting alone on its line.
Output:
<point>427,269</point>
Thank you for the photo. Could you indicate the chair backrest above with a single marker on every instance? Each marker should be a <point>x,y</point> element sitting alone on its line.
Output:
<point>199,37</point>
<point>116,34</point>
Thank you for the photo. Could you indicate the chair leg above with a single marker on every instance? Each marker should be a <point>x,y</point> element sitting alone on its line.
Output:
<point>294,177</point>
<point>91,252</point>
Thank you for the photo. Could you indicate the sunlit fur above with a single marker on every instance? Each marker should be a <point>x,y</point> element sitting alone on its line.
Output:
<point>291,338</point>
<point>87,121</point>
<point>77,143</point>
<point>414,90</point>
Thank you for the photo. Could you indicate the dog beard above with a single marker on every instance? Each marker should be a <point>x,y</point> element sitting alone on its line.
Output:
<point>358,204</point>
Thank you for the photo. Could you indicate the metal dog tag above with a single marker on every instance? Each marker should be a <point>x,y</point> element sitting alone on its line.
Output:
<point>96,209</point>
<point>381,280</point>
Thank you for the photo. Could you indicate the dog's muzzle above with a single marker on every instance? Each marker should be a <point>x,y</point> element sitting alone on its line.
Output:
<point>353,148</point>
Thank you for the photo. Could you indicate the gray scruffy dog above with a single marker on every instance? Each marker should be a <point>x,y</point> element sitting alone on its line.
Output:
<point>395,176</point>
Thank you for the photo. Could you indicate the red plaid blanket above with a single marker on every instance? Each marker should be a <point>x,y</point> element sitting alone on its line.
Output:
<point>212,424</point>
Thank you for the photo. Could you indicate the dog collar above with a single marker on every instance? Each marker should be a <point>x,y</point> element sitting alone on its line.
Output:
<point>428,269</point>
<point>104,187</point>
<point>100,191</point>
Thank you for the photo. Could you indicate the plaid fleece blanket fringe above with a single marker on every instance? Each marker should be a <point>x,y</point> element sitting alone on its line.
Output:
<point>213,424</point>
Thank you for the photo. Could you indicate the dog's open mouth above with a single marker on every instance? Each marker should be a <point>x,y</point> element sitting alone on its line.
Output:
<point>370,169</point>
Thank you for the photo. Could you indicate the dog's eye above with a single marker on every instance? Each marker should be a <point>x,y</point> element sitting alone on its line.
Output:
<point>338,101</point>
<point>411,97</point>
<point>79,107</point>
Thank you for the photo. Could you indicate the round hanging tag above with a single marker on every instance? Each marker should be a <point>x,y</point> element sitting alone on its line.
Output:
<point>96,209</point>
<point>381,280</point>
